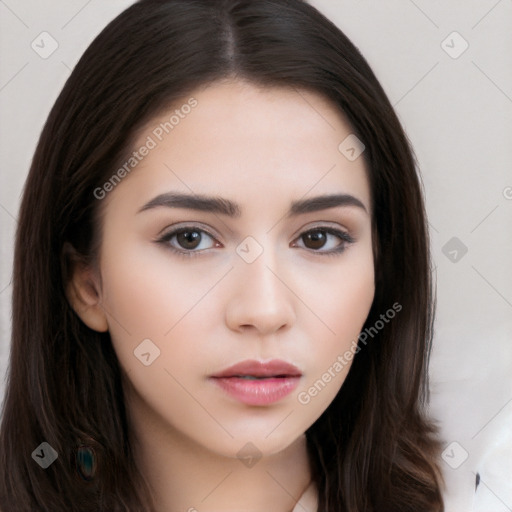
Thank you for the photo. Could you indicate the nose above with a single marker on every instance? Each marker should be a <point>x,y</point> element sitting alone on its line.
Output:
<point>261,298</point>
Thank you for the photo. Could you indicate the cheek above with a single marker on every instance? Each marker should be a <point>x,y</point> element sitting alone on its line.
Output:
<point>340,295</point>
<point>146,293</point>
<point>148,296</point>
<point>149,299</point>
<point>352,297</point>
<point>342,303</point>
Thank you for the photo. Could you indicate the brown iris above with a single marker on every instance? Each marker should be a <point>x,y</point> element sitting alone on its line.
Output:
<point>317,239</point>
<point>188,239</point>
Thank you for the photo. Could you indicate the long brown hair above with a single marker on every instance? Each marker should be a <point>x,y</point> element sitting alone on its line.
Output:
<point>373,449</point>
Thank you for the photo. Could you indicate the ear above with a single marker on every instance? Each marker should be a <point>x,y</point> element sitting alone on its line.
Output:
<point>83,290</point>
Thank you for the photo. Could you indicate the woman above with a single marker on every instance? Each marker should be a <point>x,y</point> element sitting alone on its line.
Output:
<point>222,295</point>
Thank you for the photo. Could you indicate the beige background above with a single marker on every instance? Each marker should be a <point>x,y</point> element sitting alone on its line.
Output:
<point>457,110</point>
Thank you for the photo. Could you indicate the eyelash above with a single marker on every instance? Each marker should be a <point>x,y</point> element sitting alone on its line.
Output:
<point>345,237</point>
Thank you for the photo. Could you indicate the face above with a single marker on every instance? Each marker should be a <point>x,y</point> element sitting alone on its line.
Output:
<point>264,274</point>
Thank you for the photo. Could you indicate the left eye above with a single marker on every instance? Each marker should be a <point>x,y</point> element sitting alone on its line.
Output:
<point>318,238</point>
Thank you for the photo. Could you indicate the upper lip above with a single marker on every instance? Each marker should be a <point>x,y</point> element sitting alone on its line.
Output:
<point>274,368</point>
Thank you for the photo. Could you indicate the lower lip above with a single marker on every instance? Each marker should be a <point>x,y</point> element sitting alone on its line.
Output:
<point>257,391</point>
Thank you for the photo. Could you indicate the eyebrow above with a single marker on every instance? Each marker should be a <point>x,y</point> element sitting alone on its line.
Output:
<point>224,206</point>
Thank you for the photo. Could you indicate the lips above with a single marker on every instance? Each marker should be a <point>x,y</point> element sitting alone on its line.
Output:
<point>258,384</point>
<point>256,369</point>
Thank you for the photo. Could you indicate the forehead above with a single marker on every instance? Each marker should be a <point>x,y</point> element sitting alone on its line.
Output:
<point>249,140</point>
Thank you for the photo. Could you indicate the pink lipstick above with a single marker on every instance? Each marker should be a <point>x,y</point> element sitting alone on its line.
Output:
<point>256,383</point>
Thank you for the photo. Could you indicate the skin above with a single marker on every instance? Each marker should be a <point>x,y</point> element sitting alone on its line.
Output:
<point>262,148</point>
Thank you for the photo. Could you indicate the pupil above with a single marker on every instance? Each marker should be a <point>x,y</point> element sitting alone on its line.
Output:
<point>189,239</point>
<point>317,238</point>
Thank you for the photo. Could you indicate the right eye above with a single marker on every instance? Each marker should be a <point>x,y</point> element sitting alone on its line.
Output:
<point>186,239</point>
